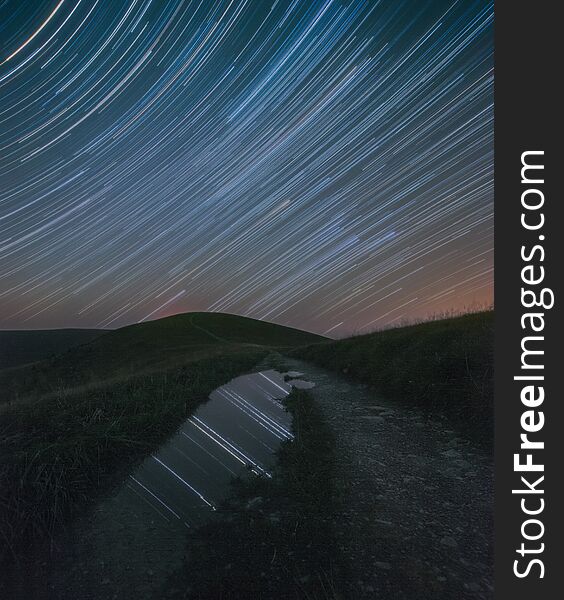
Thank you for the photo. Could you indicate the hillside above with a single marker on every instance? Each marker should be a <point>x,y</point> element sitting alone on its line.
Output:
<point>21,347</point>
<point>74,423</point>
<point>147,347</point>
<point>444,366</point>
<point>80,421</point>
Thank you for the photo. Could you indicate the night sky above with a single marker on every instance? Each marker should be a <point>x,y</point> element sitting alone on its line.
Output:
<point>321,164</point>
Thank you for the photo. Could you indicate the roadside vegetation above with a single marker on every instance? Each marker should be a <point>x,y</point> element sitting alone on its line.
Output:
<point>72,426</point>
<point>273,538</point>
<point>443,366</point>
<point>61,454</point>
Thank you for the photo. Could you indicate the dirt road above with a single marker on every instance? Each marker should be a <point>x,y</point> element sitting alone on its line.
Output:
<point>415,517</point>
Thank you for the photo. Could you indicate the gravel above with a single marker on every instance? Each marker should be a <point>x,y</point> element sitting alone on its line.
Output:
<point>414,519</point>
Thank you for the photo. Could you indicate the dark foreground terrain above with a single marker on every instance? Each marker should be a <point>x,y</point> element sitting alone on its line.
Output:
<point>372,500</point>
<point>385,491</point>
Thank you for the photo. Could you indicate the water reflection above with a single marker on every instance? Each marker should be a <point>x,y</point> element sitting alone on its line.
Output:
<point>237,430</point>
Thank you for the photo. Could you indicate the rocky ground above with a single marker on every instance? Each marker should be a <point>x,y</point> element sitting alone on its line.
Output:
<point>412,516</point>
<point>415,518</point>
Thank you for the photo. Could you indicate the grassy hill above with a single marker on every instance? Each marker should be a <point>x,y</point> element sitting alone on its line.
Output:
<point>151,346</point>
<point>21,347</point>
<point>185,335</point>
<point>444,367</point>
<point>75,423</point>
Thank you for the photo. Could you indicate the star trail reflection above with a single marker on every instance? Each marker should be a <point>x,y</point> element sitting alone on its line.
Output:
<point>239,429</point>
<point>325,164</point>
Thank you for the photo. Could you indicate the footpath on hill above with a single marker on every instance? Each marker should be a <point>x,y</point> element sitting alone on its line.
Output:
<point>415,514</point>
<point>412,517</point>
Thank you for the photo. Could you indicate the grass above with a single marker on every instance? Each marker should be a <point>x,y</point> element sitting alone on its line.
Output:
<point>273,538</point>
<point>152,346</point>
<point>21,347</point>
<point>443,366</point>
<point>72,426</point>
<point>62,453</point>
<point>75,424</point>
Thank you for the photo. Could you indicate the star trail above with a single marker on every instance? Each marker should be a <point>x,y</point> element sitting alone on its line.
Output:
<point>321,164</point>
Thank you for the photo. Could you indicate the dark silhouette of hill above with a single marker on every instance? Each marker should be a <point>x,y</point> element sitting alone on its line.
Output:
<point>73,424</point>
<point>18,347</point>
<point>147,347</point>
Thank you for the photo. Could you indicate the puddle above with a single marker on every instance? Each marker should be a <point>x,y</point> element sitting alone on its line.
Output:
<point>238,430</point>
<point>144,525</point>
